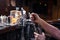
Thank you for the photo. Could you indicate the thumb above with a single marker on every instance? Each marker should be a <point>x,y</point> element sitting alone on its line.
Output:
<point>43,34</point>
<point>36,34</point>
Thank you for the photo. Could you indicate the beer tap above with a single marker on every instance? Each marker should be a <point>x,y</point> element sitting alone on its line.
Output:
<point>23,23</point>
<point>28,24</point>
<point>23,16</point>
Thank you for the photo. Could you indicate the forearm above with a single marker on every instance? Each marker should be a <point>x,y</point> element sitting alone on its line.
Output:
<point>53,31</point>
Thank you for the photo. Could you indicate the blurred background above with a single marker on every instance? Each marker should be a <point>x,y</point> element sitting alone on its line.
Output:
<point>48,10</point>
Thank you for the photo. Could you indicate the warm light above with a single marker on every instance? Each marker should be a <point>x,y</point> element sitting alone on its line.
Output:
<point>13,20</point>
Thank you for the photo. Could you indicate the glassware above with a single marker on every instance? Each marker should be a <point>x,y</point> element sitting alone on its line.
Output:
<point>0,19</point>
<point>15,16</point>
<point>5,19</point>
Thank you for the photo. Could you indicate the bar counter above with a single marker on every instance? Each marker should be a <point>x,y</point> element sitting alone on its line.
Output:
<point>8,28</point>
<point>15,32</point>
<point>12,28</point>
<point>10,33</point>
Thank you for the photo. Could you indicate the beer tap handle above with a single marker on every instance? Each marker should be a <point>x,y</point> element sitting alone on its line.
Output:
<point>37,28</point>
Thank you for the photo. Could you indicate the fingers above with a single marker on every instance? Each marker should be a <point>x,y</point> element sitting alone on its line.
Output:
<point>34,17</point>
<point>34,14</point>
<point>43,34</point>
<point>36,34</point>
<point>31,17</point>
<point>39,36</point>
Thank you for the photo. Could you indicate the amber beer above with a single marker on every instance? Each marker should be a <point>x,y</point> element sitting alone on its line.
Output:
<point>15,16</point>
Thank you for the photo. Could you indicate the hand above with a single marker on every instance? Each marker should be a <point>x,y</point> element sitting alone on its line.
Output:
<point>39,36</point>
<point>34,17</point>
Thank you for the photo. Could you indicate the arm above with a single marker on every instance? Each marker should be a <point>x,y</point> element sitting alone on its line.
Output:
<point>53,31</point>
<point>39,36</point>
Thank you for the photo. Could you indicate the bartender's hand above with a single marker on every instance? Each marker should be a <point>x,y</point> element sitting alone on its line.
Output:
<point>39,36</point>
<point>34,17</point>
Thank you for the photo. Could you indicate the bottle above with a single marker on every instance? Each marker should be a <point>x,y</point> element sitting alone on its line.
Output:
<point>1,19</point>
